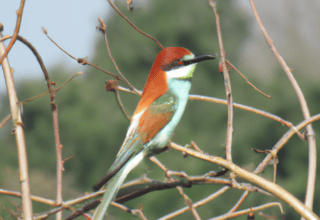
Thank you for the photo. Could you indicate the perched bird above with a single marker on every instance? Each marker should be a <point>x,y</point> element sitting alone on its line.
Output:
<point>160,108</point>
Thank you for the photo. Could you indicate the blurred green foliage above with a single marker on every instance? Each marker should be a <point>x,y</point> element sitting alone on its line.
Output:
<point>92,127</point>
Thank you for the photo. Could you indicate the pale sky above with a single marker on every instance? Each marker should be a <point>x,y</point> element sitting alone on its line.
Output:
<point>293,25</point>
<point>70,23</point>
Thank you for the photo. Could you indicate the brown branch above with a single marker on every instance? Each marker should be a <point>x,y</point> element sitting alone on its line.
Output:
<point>254,178</point>
<point>179,188</point>
<point>305,111</point>
<point>58,146</point>
<point>227,84</point>
<point>38,57</point>
<point>5,121</point>
<point>237,205</point>
<point>285,138</point>
<point>33,98</point>
<point>246,211</point>
<point>54,109</point>
<point>16,31</point>
<point>247,108</point>
<point>137,29</point>
<point>103,29</point>
<point>34,198</point>
<point>197,204</point>
<point>253,86</point>
<point>81,60</point>
<point>19,133</point>
<point>74,75</point>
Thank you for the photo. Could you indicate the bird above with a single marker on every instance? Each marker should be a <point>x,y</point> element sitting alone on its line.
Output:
<point>158,112</point>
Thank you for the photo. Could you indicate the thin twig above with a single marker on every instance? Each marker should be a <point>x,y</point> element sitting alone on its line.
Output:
<point>5,121</point>
<point>16,31</point>
<point>54,109</point>
<point>33,98</point>
<point>285,138</point>
<point>103,29</point>
<point>141,32</point>
<point>227,84</point>
<point>34,198</point>
<point>305,111</point>
<point>197,204</point>
<point>19,134</point>
<point>179,188</point>
<point>80,60</point>
<point>74,75</point>
<point>253,86</point>
<point>237,205</point>
<point>246,211</point>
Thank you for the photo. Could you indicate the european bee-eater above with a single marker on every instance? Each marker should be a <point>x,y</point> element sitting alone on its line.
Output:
<point>160,108</point>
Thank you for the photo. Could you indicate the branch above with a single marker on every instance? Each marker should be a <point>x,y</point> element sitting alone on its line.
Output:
<point>305,111</point>
<point>197,204</point>
<point>19,133</point>
<point>227,84</point>
<point>253,86</point>
<point>253,178</point>
<point>5,121</point>
<point>16,31</point>
<point>102,28</point>
<point>83,61</point>
<point>141,32</point>
<point>236,105</point>
<point>252,209</point>
<point>285,138</point>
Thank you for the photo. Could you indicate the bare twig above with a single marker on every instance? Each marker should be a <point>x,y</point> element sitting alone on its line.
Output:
<point>253,86</point>
<point>197,204</point>
<point>5,121</point>
<point>141,32</point>
<point>74,75</point>
<point>227,84</point>
<point>246,211</point>
<point>237,205</point>
<point>103,29</point>
<point>305,111</point>
<point>179,188</point>
<point>253,178</point>
<point>33,98</point>
<point>34,198</point>
<point>16,31</point>
<point>19,133</point>
<point>285,138</point>
<point>80,60</point>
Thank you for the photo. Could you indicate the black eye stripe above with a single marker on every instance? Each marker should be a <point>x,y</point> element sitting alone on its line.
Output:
<point>174,65</point>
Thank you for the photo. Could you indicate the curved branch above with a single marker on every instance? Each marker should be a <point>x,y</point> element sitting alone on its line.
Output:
<point>310,133</point>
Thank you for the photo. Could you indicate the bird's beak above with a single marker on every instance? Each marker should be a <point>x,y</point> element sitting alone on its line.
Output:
<point>199,58</point>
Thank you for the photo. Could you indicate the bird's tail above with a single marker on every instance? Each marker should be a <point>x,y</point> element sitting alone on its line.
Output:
<point>114,184</point>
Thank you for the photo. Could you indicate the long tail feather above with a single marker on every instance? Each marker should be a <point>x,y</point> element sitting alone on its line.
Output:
<point>114,185</point>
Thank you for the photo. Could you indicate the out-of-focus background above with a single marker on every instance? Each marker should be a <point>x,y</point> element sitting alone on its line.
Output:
<point>92,127</point>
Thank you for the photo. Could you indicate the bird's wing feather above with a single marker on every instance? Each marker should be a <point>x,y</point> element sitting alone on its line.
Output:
<point>151,121</point>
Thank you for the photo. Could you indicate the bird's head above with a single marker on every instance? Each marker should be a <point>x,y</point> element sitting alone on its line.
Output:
<point>179,62</point>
